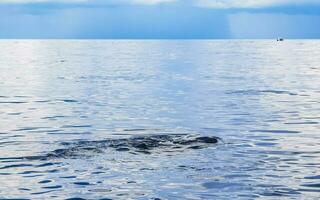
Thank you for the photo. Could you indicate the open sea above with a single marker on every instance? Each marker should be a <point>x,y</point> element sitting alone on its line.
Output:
<point>159,119</point>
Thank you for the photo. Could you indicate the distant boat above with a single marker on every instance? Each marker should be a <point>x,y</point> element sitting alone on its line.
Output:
<point>280,39</point>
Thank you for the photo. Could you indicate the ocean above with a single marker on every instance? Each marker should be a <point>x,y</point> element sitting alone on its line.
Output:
<point>159,119</point>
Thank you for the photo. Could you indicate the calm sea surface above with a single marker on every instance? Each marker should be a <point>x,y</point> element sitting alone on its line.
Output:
<point>62,102</point>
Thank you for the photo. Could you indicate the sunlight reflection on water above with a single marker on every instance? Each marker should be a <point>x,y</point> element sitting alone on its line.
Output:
<point>261,98</point>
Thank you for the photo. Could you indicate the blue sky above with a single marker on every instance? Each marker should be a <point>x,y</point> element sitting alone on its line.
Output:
<point>163,19</point>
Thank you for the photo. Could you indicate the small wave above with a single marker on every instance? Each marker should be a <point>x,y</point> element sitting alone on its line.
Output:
<point>315,185</point>
<point>313,177</point>
<point>16,165</point>
<point>29,128</point>
<point>13,102</point>
<point>42,101</point>
<point>135,130</point>
<point>68,133</point>
<point>77,126</point>
<point>69,100</point>
<point>261,92</point>
<point>54,117</point>
<point>301,123</point>
<point>15,113</point>
<point>274,131</point>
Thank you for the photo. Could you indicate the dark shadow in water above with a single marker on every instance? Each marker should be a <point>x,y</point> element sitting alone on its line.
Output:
<point>145,144</point>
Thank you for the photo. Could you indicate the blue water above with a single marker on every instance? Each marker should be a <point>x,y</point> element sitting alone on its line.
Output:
<point>63,102</point>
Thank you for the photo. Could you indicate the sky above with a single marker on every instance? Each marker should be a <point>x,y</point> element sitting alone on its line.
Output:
<point>160,19</point>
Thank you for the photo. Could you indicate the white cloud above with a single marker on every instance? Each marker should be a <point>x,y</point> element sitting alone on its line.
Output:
<point>218,4</point>
<point>152,2</point>
<point>146,2</point>
<point>251,3</point>
<point>42,1</point>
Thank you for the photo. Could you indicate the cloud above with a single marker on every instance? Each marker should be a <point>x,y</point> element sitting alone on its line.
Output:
<point>253,3</point>
<point>41,1</point>
<point>152,2</point>
<point>215,4</point>
<point>114,2</point>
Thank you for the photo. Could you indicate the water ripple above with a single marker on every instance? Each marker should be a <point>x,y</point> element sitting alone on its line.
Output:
<point>80,119</point>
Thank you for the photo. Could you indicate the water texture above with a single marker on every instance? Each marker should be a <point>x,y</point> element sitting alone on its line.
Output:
<point>176,119</point>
